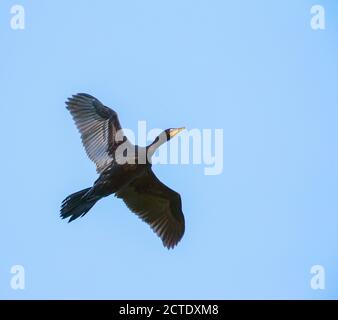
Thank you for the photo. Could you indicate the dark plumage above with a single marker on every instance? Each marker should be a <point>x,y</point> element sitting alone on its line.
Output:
<point>125,170</point>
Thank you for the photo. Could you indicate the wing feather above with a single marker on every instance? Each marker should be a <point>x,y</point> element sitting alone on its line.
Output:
<point>157,205</point>
<point>98,126</point>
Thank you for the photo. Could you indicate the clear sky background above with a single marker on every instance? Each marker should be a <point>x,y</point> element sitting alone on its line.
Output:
<point>254,68</point>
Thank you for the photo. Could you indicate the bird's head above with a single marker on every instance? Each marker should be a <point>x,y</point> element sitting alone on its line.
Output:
<point>166,135</point>
<point>171,132</point>
<point>162,138</point>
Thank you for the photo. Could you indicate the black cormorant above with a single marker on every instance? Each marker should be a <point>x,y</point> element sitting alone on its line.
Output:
<point>125,170</point>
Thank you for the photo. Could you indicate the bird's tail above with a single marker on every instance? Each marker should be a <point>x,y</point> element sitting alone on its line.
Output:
<point>77,205</point>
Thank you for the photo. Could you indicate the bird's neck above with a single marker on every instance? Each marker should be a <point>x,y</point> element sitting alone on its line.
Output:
<point>151,149</point>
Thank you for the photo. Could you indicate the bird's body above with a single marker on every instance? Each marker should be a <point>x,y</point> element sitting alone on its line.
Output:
<point>125,171</point>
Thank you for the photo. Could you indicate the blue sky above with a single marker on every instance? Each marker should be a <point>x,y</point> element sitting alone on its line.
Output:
<point>255,69</point>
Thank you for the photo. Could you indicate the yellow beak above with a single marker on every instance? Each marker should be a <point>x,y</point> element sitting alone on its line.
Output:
<point>174,132</point>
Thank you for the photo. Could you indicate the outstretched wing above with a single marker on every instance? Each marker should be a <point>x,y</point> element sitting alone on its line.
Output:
<point>157,205</point>
<point>98,126</point>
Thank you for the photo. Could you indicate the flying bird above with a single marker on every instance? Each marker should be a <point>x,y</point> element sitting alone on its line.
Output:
<point>124,170</point>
